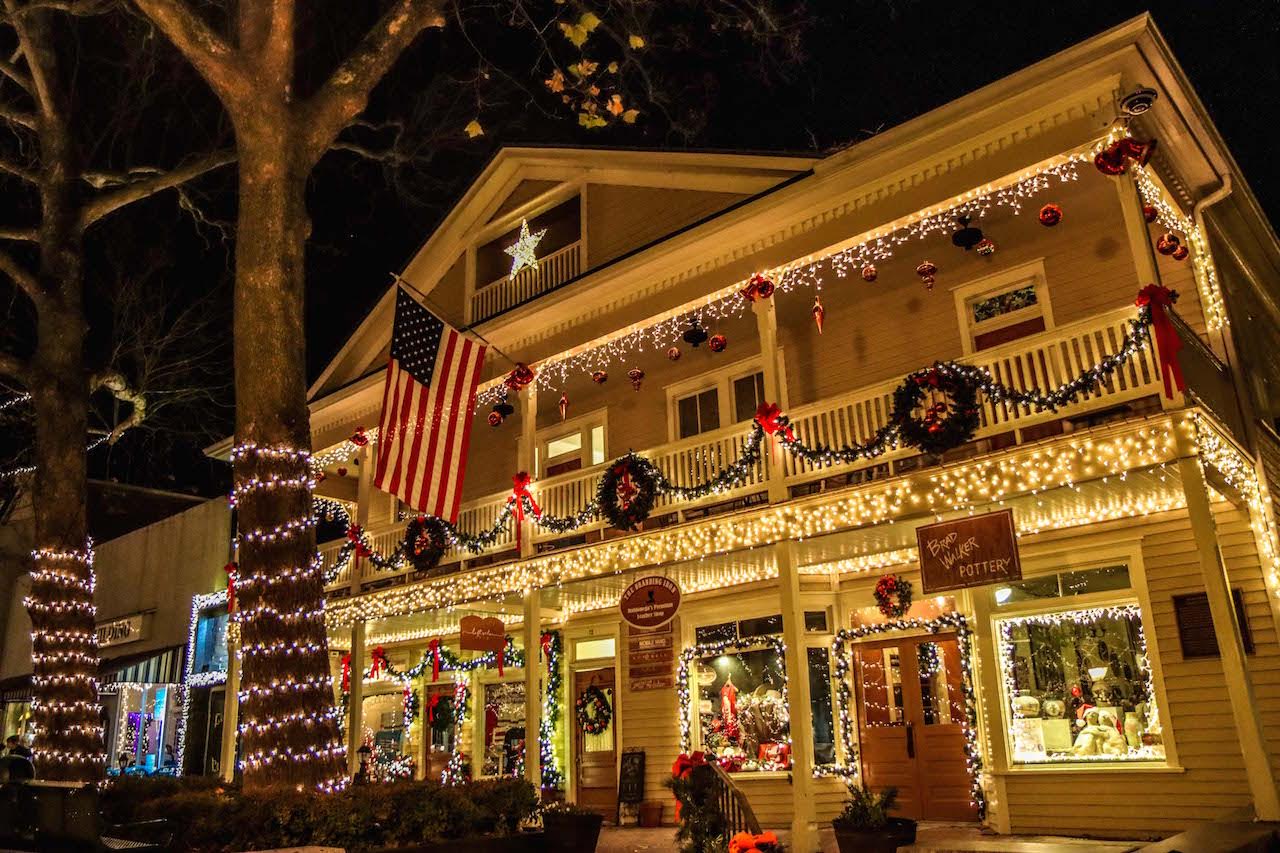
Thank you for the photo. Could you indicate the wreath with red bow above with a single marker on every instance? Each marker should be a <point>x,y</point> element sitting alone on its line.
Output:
<point>627,491</point>
<point>424,542</point>
<point>593,711</point>
<point>949,401</point>
<point>893,596</point>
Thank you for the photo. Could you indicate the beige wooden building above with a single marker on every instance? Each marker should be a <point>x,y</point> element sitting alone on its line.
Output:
<point>1128,683</point>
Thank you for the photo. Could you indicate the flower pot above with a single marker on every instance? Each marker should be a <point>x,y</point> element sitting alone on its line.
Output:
<point>651,813</point>
<point>898,832</point>
<point>571,833</point>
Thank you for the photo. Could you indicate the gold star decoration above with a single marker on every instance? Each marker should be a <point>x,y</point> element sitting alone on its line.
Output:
<point>522,252</point>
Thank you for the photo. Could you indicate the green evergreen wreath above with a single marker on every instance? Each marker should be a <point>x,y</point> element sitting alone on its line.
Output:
<point>593,710</point>
<point>424,542</point>
<point>945,424</point>
<point>627,491</point>
<point>887,588</point>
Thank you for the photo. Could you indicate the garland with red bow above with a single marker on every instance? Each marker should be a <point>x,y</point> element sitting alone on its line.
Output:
<point>520,497</point>
<point>1156,300</point>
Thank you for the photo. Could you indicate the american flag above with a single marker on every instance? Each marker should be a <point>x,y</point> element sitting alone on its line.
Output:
<point>426,410</point>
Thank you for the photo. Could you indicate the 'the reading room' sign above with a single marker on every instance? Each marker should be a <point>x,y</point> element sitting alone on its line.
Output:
<point>969,552</point>
<point>650,602</point>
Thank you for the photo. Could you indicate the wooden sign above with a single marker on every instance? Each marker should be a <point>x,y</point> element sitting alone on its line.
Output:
<point>126,629</point>
<point>969,552</point>
<point>650,602</point>
<point>657,682</point>
<point>482,634</point>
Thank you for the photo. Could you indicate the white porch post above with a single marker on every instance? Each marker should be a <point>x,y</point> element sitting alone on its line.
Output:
<point>1235,667</point>
<point>532,687</point>
<point>804,830</point>
<point>526,459</point>
<point>355,698</point>
<point>230,710</point>
<point>364,496</point>
<point>767,330</point>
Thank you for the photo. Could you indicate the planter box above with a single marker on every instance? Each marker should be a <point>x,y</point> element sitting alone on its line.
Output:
<point>899,832</point>
<point>571,833</point>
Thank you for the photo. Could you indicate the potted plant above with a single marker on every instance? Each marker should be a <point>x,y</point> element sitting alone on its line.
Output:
<point>865,826</point>
<point>568,828</point>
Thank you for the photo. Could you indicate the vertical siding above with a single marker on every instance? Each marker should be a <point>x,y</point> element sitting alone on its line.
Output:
<point>623,218</point>
<point>1198,713</point>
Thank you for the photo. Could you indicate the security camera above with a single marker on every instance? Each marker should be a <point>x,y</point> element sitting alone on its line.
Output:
<point>1139,101</point>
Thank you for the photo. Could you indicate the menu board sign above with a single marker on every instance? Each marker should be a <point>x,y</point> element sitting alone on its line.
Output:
<point>967,552</point>
<point>651,658</point>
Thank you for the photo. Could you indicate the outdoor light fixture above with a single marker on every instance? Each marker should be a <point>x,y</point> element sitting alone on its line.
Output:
<point>1139,101</point>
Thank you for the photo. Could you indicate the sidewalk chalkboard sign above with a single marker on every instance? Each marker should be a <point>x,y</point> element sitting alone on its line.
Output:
<point>631,780</point>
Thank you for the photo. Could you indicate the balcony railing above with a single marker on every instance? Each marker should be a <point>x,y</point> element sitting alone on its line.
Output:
<point>1042,361</point>
<point>497,296</point>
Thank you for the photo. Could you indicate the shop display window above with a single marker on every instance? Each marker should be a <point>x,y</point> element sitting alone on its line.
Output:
<point>144,728</point>
<point>210,650</point>
<point>824,730</point>
<point>386,736</point>
<point>503,729</point>
<point>741,709</point>
<point>1078,687</point>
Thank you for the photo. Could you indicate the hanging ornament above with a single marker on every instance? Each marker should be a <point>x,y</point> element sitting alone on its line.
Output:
<point>1180,253</point>
<point>1114,159</point>
<point>522,251</point>
<point>718,343</point>
<point>519,377</point>
<point>695,334</point>
<point>599,376</point>
<point>758,287</point>
<point>927,270</point>
<point>986,247</point>
<point>495,419</point>
<point>636,375</point>
<point>564,406</point>
<point>1167,243</point>
<point>1050,215</point>
<point>342,472</point>
<point>1149,212</point>
<point>966,236</point>
<point>501,411</point>
<point>819,313</point>
<point>869,273</point>
<point>358,438</point>
<point>674,353</point>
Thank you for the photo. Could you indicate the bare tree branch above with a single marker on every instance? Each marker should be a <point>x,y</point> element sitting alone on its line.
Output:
<point>120,388</point>
<point>11,168</point>
<point>23,277</point>
<point>15,367</point>
<point>138,190</point>
<point>346,92</point>
<point>17,75</point>
<point>18,117</point>
<point>22,235</point>
<point>205,49</point>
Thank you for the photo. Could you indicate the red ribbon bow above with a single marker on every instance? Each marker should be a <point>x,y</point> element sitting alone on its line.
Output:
<point>545,640</point>
<point>377,662</point>
<point>355,535</point>
<point>346,673</point>
<point>434,645</point>
<point>685,763</point>
<point>233,571</point>
<point>359,438</point>
<point>1158,299</point>
<point>769,417</point>
<point>431,707</point>
<point>519,494</point>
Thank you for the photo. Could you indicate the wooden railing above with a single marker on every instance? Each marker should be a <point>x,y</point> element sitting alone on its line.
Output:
<point>497,296</point>
<point>1041,361</point>
<point>735,807</point>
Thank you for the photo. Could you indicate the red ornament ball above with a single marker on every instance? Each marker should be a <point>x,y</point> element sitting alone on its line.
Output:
<point>869,272</point>
<point>599,376</point>
<point>986,247</point>
<point>674,353</point>
<point>1167,243</point>
<point>495,419</point>
<point>359,438</point>
<point>636,375</point>
<point>1149,212</point>
<point>1050,215</point>
<point>342,472</point>
<point>1180,253</point>
<point>718,343</point>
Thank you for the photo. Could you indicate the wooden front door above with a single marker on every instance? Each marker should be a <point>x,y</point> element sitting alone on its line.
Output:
<point>595,763</point>
<point>438,730</point>
<point>911,721</point>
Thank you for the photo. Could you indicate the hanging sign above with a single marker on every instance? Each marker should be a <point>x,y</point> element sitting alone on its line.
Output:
<point>482,634</point>
<point>650,602</point>
<point>969,552</point>
<point>126,629</point>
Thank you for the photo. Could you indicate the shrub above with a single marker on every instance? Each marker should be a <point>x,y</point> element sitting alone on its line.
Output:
<point>210,817</point>
<point>867,809</point>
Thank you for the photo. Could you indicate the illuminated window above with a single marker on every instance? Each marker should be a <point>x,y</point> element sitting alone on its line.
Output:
<point>1008,305</point>
<point>604,647</point>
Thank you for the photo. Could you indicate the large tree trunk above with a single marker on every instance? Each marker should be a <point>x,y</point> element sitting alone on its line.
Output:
<point>290,731</point>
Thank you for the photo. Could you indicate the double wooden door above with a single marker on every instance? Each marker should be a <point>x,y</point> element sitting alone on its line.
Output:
<point>595,755</point>
<point>911,724</point>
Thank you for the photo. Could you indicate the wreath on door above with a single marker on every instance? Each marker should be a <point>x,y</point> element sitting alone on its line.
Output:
<point>593,710</point>
<point>893,596</point>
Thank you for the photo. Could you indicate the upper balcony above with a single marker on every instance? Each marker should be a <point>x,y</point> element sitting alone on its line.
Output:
<point>1044,360</point>
<point>508,291</point>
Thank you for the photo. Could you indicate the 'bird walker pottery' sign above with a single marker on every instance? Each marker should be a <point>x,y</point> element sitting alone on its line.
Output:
<point>975,551</point>
<point>650,602</point>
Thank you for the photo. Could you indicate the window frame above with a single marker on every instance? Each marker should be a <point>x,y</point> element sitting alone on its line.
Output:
<point>721,380</point>
<point>972,291</point>
<point>583,424</point>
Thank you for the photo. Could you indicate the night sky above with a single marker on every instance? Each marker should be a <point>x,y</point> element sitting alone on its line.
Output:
<point>867,65</point>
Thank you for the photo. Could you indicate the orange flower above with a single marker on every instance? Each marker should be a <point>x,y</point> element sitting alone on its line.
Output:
<point>766,838</point>
<point>742,842</point>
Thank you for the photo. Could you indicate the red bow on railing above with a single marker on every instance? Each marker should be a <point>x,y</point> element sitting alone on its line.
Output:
<point>519,494</point>
<point>545,641</point>
<point>771,419</point>
<point>434,646</point>
<point>1157,299</point>
<point>355,535</point>
<point>346,673</point>
<point>377,662</point>
<point>232,571</point>
<point>685,763</point>
<point>431,708</point>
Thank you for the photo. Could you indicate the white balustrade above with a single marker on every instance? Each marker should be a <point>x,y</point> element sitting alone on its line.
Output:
<point>554,269</point>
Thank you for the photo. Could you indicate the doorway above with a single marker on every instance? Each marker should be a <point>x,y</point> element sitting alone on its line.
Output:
<point>911,724</point>
<point>595,755</point>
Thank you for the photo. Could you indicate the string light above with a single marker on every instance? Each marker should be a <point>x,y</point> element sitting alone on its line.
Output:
<point>684,693</point>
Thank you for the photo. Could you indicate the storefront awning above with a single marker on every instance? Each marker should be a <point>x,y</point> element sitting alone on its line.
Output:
<point>158,666</point>
<point>16,688</point>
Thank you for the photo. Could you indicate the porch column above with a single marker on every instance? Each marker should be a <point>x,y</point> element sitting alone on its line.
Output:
<point>355,699</point>
<point>1235,667</point>
<point>526,458</point>
<point>230,710</point>
<point>804,830</point>
<point>364,496</point>
<point>532,687</point>
<point>767,331</point>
